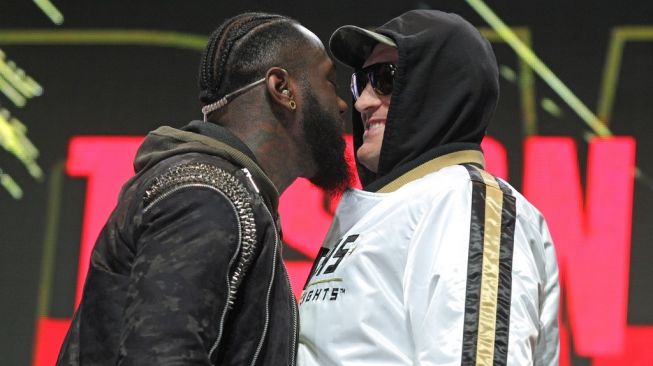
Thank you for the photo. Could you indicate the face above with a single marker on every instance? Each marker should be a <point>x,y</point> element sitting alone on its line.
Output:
<point>374,111</point>
<point>323,125</point>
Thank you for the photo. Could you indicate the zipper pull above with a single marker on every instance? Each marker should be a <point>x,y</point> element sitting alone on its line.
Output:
<point>251,179</point>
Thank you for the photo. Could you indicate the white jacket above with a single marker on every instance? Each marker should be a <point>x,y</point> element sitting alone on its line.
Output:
<point>400,276</point>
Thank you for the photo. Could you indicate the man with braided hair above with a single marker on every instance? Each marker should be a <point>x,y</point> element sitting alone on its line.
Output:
<point>188,268</point>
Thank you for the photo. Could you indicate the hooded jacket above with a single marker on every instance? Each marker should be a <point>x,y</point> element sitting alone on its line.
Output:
<point>435,262</point>
<point>445,92</point>
<point>188,267</point>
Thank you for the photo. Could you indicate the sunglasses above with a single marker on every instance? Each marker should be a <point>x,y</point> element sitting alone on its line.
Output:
<point>380,75</point>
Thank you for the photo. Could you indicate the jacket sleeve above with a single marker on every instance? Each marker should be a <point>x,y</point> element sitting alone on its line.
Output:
<point>480,284</point>
<point>547,350</point>
<point>178,286</point>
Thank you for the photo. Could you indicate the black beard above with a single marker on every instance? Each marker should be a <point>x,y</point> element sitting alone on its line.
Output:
<point>323,134</point>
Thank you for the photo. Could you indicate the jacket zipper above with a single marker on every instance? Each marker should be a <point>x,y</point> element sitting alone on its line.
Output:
<point>292,297</point>
<point>214,348</point>
<point>293,303</point>
<point>168,193</point>
<point>267,302</point>
<point>267,299</point>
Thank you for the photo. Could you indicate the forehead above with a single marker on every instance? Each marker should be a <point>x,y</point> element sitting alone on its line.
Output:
<point>315,49</point>
<point>311,38</point>
<point>382,53</point>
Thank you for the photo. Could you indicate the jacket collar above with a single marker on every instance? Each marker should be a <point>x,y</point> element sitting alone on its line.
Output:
<point>433,165</point>
<point>207,138</point>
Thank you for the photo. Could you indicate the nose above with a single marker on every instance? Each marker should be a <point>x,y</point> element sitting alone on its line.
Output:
<point>368,99</point>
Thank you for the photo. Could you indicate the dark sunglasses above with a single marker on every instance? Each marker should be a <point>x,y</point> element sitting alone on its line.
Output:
<point>380,75</point>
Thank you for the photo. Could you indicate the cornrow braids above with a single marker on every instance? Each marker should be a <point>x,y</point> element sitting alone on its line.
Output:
<point>222,40</point>
<point>214,62</point>
<point>243,48</point>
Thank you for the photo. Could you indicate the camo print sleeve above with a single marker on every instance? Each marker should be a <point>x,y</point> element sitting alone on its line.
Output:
<point>179,283</point>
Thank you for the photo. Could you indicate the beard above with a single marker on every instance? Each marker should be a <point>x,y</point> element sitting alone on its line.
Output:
<point>323,135</point>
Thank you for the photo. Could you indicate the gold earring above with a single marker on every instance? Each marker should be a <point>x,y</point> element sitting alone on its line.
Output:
<point>292,104</point>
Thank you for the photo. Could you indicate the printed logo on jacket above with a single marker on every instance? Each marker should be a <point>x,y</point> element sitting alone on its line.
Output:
<point>323,283</point>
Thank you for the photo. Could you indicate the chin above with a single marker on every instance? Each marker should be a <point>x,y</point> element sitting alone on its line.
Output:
<point>369,159</point>
<point>370,164</point>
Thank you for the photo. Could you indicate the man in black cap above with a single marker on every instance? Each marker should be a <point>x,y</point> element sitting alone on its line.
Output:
<point>435,261</point>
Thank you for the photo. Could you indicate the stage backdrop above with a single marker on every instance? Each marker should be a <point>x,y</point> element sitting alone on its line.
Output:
<point>81,83</point>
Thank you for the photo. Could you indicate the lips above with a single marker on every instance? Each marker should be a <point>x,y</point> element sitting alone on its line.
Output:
<point>374,123</point>
<point>373,128</point>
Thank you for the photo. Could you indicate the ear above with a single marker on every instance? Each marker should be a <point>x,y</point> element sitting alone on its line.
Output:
<point>280,88</point>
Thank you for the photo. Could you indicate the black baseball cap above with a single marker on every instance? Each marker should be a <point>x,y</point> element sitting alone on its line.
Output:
<point>352,45</point>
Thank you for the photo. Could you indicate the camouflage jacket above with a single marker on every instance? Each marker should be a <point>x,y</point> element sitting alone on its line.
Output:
<point>188,268</point>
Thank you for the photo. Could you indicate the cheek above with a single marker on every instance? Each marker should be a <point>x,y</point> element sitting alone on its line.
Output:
<point>385,106</point>
<point>331,100</point>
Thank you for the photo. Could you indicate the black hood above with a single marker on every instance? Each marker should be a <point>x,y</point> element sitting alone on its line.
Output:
<point>445,91</point>
<point>206,138</point>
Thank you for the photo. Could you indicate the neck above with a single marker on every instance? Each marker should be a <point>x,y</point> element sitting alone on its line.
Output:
<point>268,139</point>
<point>274,152</point>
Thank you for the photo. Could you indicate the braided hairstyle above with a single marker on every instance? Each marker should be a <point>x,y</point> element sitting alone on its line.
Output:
<point>243,48</point>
